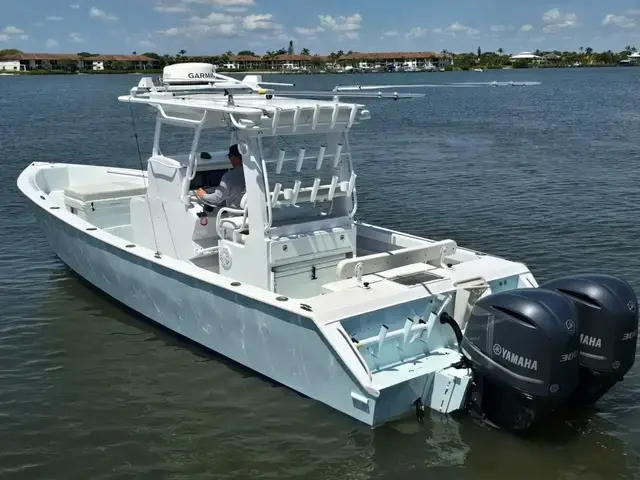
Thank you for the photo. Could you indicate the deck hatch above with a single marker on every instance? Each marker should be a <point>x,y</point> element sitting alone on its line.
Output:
<point>416,278</point>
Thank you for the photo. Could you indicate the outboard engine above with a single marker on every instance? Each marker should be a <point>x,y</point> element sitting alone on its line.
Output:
<point>522,345</point>
<point>608,326</point>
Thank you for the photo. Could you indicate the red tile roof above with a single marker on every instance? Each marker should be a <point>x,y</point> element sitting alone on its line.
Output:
<point>73,56</point>
<point>42,56</point>
<point>120,58</point>
<point>295,58</point>
<point>245,58</point>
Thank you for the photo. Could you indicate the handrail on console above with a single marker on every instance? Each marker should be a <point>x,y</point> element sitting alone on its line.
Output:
<point>186,121</point>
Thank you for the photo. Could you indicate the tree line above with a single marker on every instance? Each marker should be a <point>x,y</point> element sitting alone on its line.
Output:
<point>497,59</point>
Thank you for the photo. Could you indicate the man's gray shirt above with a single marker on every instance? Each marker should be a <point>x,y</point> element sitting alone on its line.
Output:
<point>230,191</point>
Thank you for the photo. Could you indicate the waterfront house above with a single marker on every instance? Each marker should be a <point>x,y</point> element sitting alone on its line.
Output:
<point>9,66</point>
<point>634,58</point>
<point>292,62</point>
<point>42,61</point>
<point>246,62</point>
<point>526,57</point>
<point>72,61</point>
<point>396,60</point>
<point>117,62</point>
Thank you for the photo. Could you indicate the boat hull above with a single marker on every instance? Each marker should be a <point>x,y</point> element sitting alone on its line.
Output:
<point>279,340</point>
<point>276,343</point>
<point>273,342</point>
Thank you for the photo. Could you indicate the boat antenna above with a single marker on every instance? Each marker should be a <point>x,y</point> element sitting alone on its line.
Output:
<point>144,180</point>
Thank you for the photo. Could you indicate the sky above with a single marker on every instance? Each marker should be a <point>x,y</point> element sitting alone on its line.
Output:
<point>212,27</point>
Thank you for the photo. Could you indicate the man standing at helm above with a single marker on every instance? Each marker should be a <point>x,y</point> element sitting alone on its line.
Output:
<point>232,185</point>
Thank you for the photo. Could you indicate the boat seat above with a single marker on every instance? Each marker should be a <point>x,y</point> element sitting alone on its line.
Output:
<point>88,192</point>
<point>233,221</point>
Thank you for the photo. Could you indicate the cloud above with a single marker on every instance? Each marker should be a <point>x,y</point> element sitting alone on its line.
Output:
<point>556,19</point>
<point>416,32</point>
<point>341,24</point>
<point>346,26</point>
<point>309,32</point>
<point>76,38</point>
<point>218,24</point>
<point>526,28</point>
<point>146,44</point>
<point>164,8</point>
<point>213,18</point>
<point>260,22</point>
<point>75,6</point>
<point>501,28</point>
<point>11,30</point>
<point>101,14</point>
<point>618,21</point>
<point>233,3</point>
<point>224,24</point>
<point>456,28</point>
<point>51,43</point>
<point>220,30</point>
<point>390,33</point>
<point>54,18</point>
<point>169,32</point>
<point>11,33</point>
<point>225,3</point>
<point>633,12</point>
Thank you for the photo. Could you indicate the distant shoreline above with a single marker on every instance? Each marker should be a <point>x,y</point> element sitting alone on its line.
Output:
<point>284,72</point>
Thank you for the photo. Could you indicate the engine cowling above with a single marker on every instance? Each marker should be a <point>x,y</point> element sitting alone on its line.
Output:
<point>523,347</point>
<point>608,325</point>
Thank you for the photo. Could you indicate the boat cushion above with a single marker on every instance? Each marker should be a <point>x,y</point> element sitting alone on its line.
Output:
<point>104,191</point>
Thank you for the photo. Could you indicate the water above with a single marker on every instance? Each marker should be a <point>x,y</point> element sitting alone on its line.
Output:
<point>546,175</point>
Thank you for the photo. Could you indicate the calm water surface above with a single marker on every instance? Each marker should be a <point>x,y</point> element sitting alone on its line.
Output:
<point>545,175</point>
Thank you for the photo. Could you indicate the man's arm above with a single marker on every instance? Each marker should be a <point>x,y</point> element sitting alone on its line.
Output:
<point>219,195</point>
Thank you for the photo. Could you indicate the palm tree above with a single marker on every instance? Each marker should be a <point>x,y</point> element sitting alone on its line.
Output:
<point>226,57</point>
<point>500,51</point>
<point>305,51</point>
<point>182,52</point>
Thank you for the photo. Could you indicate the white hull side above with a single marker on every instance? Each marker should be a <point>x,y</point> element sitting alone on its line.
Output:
<point>276,343</point>
<point>312,353</point>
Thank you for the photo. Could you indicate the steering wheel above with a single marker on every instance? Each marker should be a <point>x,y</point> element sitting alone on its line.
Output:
<point>208,207</point>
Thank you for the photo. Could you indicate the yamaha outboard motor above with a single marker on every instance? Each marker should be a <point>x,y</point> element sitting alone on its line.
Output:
<point>608,326</point>
<point>522,345</point>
